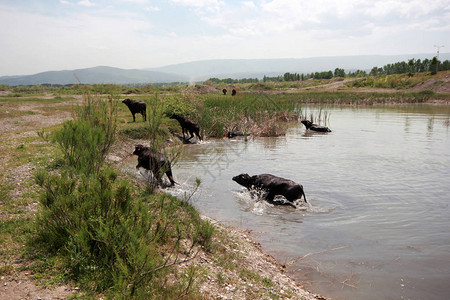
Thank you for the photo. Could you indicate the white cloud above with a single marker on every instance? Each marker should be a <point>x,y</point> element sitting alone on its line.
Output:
<point>136,1</point>
<point>98,47</point>
<point>404,8</point>
<point>124,33</point>
<point>152,8</point>
<point>201,5</point>
<point>325,17</point>
<point>198,3</point>
<point>86,3</point>
<point>249,4</point>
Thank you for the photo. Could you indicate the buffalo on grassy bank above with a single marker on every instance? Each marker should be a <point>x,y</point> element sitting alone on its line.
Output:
<point>136,107</point>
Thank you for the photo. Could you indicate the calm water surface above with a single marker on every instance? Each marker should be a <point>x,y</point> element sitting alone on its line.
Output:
<point>378,223</point>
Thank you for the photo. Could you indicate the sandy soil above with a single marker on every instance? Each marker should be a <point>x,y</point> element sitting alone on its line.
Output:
<point>21,286</point>
<point>441,85</point>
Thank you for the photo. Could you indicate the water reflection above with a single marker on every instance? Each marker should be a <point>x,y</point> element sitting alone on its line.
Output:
<point>271,143</point>
<point>310,133</point>
<point>430,125</point>
<point>407,123</point>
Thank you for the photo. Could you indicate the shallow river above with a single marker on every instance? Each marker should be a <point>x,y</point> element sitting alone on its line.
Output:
<point>378,222</point>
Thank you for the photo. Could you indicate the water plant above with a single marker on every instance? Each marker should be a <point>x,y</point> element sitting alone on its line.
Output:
<point>319,115</point>
<point>248,113</point>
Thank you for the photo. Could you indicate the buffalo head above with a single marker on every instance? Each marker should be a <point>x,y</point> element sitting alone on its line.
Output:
<point>243,179</point>
<point>138,149</point>
<point>307,123</point>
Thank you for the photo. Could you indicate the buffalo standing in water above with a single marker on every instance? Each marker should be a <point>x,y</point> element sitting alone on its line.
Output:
<point>273,185</point>
<point>309,125</point>
<point>150,160</point>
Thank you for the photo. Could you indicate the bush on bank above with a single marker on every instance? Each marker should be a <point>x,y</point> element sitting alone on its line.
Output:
<point>110,236</point>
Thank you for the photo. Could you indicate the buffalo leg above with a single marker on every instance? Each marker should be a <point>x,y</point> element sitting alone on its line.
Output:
<point>270,198</point>
<point>198,135</point>
<point>192,135</point>
<point>170,176</point>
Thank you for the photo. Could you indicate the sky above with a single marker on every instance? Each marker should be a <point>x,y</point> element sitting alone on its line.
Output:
<point>52,35</point>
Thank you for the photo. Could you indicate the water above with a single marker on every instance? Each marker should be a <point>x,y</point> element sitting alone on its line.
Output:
<point>378,222</point>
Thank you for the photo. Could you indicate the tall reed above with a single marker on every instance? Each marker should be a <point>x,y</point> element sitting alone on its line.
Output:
<point>252,114</point>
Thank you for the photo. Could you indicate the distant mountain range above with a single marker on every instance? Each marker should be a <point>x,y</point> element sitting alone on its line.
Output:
<point>257,68</point>
<point>220,68</point>
<point>95,75</point>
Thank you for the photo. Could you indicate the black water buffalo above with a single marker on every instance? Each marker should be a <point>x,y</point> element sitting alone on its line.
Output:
<point>273,185</point>
<point>181,138</point>
<point>157,163</point>
<point>136,107</point>
<point>187,125</point>
<point>233,92</point>
<point>224,91</point>
<point>309,125</point>
<point>232,134</point>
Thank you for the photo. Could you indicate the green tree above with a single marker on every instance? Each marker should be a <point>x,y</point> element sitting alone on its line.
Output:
<point>412,65</point>
<point>434,65</point>
<point>339,72</point>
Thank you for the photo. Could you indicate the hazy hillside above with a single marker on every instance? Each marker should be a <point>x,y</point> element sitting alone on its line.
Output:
<point>93,76</point>
<point>240,68</point>
<point>221,68</point>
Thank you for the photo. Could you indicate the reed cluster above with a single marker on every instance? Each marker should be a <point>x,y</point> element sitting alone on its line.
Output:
<point>258,115</point>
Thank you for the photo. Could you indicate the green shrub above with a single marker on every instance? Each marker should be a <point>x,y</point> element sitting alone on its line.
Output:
<point>108,235</point>
<point>141,132</point>
<point>94,223</point>
<point>177,105</point>
<point>158,135</point>
<point>86,140</point>
<point>424,95</point>
<point>204,233</point>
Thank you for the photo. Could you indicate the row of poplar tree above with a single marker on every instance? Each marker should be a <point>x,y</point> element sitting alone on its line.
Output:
<point>411,66</point>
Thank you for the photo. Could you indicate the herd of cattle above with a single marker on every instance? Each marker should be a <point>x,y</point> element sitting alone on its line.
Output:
<point>271,185</point>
